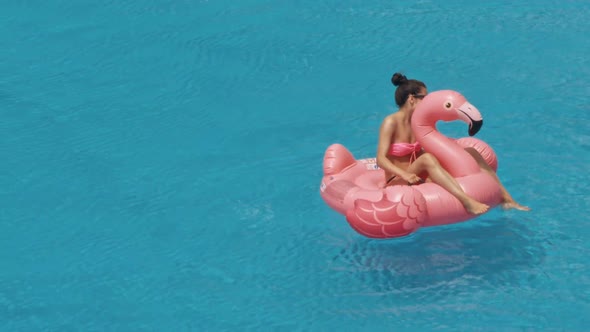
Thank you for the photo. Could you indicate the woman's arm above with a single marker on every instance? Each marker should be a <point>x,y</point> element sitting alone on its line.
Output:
<point>385,134</point>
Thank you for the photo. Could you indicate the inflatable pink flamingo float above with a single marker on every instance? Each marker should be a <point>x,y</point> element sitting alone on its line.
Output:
<point>355,189</point>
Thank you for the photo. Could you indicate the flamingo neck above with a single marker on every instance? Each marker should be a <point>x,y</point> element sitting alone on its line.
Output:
<point>450,155</point>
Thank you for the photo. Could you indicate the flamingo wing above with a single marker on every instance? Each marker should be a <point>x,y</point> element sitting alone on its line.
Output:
<point>400,211</point>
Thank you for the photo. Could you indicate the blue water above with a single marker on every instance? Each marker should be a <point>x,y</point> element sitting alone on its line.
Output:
<point>161,159</point>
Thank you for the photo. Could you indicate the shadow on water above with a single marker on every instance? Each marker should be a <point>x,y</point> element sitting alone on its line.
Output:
<point>484,254</point>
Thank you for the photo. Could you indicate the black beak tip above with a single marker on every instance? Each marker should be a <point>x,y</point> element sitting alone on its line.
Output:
<point>475,127</point>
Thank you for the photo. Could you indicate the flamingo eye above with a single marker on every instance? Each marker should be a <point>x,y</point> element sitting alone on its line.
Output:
<point>448,105</point>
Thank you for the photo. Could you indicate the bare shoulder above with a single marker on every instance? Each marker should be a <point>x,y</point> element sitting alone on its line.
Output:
<point>388,125</point>
<point>391,119</point>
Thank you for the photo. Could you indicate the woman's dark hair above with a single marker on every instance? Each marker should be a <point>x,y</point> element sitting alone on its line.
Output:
<point>405,88</point>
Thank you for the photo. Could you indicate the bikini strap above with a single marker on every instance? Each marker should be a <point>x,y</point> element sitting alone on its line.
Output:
<point>413,157</point>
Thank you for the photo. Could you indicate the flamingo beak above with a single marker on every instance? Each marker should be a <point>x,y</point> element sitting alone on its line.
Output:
<point>470,114</point>
<point>474,127</point>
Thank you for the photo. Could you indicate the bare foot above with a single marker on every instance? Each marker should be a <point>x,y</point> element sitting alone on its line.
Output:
<point>514,205</point>
<point>475,207</point>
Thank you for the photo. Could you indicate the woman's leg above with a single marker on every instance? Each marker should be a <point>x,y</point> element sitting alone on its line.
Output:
<point>427,162</point>
<point>507,201</point>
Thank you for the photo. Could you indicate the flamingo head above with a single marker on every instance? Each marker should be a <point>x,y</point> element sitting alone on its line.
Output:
<point>448,105</point>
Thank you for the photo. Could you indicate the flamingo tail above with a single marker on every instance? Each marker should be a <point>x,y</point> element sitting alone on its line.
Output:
<point>337,158</point>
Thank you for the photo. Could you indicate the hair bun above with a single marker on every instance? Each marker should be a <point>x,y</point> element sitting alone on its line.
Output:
<point>398,79</point>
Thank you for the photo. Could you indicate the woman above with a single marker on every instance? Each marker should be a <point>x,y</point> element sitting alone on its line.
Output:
<point>403,159</point>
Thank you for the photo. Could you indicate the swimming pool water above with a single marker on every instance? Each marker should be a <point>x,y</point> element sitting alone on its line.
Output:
<point>161,163</point>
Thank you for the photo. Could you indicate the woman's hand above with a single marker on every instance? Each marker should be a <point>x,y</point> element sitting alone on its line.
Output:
<point>411,178</point>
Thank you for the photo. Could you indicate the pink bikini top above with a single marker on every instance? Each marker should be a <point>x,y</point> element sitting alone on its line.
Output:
<point>404,149</point>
